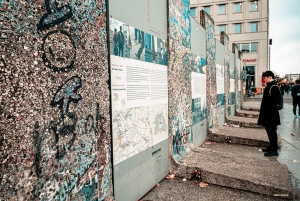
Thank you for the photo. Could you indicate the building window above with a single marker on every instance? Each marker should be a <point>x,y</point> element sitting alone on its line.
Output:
<point>253,47</point>
<point>207,9</point>
<point>237,28</point>
<point>222,9</point>
<point>253,5</point>
<point>222,28</point>
<point>193,12</point>
<point>248,47</point>
<point>238,7</point>
<point>253,27</point>
<point>245,47</point>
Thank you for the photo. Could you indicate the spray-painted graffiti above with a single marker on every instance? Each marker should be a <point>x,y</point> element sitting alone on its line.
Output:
<point>182,139</point>
<point>180,68</point>
<point>66,95</point>
<point>180,19</point>
<point>55,15</point>
<point>74,147</point>
<point>58,48</point>
<point>57,146</point>
<point>59,51</point>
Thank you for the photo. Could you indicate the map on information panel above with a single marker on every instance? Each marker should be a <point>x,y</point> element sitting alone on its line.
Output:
<point>159,122</point>
<point>132,132</point>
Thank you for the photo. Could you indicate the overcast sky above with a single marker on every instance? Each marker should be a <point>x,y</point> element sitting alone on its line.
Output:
<point>285,33</point>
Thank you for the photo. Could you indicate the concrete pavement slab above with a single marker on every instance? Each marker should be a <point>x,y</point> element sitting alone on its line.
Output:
<point>242,136</point>
<point>251,105</point>
<point>243,122</point>
<point>241,150</point>
<point>290,150</point>
<point>232,170</point>
<point>179,190</point>
<point>247,113</point>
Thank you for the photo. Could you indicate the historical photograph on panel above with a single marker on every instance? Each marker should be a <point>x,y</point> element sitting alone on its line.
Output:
<point>120,42</point>
<point>161,53</point>
<point>199,109</point>
<point>220,85</point>
<point>137,44</point>
<point>198,64</point>
<point>149,48</point>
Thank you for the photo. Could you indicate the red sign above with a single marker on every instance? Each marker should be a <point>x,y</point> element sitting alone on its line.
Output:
<point>249,60</point>
<point>263,80</point>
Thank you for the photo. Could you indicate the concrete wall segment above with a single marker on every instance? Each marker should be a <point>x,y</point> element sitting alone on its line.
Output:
<point>225,41</point>
<point>179,74</point>
<point>207,22</point>
<point>55,122</point>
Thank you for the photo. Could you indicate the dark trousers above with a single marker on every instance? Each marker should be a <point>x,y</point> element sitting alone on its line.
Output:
<point>272,134</point>
<point>121,50</point>
<point>295,103</point>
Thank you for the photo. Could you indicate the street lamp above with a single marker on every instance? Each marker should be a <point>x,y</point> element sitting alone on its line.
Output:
<point>270,43</point>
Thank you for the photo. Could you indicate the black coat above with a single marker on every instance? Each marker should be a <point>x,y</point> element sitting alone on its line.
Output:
<point>269,114</point>
<point>294,92</point>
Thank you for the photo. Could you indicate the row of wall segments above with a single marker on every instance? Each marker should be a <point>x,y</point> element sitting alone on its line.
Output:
<point>84,118</point>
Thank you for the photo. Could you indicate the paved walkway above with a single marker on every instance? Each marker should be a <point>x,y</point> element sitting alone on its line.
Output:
<point>232,169</point>
<point>289,153</point>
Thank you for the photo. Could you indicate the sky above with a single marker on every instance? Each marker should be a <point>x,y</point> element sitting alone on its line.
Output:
<point>285,34</point>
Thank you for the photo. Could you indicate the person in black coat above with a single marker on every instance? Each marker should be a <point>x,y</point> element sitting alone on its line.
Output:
<point>296,98</point>
<point>269,114</point>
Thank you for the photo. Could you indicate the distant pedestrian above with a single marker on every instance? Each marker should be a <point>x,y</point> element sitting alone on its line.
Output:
<point>286,88</point>
<point>296,98</point>
<point>269,114</point>
<point>282,89</point>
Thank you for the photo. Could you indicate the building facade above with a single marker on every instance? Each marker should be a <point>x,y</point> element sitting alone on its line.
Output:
<point>293,76</point>
<point>246,22</point>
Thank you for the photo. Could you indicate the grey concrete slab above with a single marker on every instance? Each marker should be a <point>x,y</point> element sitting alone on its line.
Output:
<point>242,136</point>
<point>179,190</point>
<point>241,150</point>
<point>243,122</point>
<point>236,171</point>
<point>290,149</point>
<point>247,113</point>
<point>251,105</point>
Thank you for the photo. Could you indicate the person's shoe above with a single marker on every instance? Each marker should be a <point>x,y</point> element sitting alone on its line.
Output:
<point>273,153</point>
<point>296,116</point>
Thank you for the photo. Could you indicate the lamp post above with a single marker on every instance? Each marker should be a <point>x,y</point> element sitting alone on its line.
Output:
<point>270,43</point>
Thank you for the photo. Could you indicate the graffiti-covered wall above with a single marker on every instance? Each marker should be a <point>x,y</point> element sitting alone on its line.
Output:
<point>233,79</point>
<point>54,103</point>
<point>211,89</point>
<point>224,39</point>
<point>179,72</point>
<point>62,92</point>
